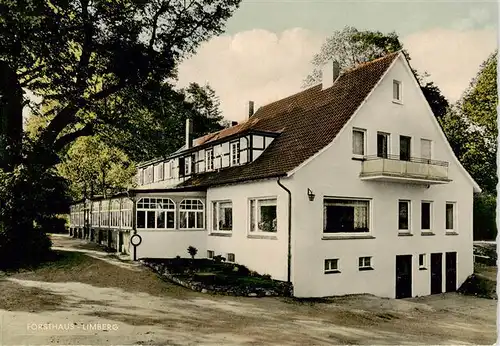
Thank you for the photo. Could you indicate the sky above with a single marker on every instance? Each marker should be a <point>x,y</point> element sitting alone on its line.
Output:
<point>266,50</point>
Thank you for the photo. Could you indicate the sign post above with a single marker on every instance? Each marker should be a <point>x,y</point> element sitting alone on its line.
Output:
<point>135,240</point>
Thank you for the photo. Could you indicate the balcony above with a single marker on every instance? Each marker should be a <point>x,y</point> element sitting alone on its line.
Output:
<point>414,171</point>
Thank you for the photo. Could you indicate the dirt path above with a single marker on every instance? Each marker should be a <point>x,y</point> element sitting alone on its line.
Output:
<point>90,290</point>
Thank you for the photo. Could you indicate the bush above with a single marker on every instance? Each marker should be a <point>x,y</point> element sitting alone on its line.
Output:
<point>192,251</point>
<point>53,224</point>
<point>485,227</point>
<point>219,259</point>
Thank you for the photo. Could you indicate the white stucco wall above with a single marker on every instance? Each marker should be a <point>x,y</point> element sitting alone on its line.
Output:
<point>334,173</point>
<point>266,256</point>
<point>169,244</point>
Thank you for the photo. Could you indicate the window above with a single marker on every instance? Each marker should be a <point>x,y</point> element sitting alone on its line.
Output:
<point>332,266</point>
<point>358,142</point>
<point>404,216</point>
<point>426,149</point>
<point>235,153</point>
<point>345,216</point>
<point>222,214</point>
<point>450,216</point>
<point>210,254</point>
<point>263,215</point>
<point>422,261</point>
<point>365,263</point>
<point>425,215</point>
<point>230,257</point>
<point>404,148</point>
<point>156,213</point>
<point>209,159</point>
<point>192,214</point>
<point>382,145</point>
<point>396,91</point>
<point>188,165</point>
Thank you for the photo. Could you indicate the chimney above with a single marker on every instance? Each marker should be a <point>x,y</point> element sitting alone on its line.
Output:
<point>189,131</point>
<point>330,73</point>
<point>250,108</point>
<point>234,123</point>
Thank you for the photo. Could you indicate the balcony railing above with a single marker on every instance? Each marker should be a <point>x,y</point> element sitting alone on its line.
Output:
<point>414,170</point>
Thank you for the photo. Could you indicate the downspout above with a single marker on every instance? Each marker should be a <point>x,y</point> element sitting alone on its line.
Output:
<point>289,262</point>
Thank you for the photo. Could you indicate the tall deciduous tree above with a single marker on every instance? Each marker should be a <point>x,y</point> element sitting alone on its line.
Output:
<point>351,47</point>
<point>80,56</point>
<point>471,129</point>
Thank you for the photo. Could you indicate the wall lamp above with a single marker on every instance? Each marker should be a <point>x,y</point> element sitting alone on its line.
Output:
<point>310,194</point>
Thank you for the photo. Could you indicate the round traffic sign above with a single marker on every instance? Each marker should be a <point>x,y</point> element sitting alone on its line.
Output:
<point>135,240</point>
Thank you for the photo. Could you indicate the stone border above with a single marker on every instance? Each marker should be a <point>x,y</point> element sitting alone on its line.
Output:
<point>283,289</point>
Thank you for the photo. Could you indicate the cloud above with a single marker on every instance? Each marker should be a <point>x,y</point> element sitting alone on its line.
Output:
<point>253,65</point>
<point>451,57</point>
<point>262,66</point>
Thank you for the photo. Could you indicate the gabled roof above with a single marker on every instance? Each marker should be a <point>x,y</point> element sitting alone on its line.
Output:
<point>308,121</point>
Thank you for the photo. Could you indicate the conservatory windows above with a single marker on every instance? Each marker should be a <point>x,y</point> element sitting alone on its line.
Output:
<point>191,214</point>
<point>155,213</point>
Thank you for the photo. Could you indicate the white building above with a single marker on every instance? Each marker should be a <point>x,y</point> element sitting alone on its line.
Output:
<point>346,187</point>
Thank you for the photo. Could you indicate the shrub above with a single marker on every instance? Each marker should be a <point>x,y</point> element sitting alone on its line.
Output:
<point>192,251</point>
<point>219,259</point>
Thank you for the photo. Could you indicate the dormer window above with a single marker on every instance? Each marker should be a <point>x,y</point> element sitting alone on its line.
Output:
<point>235,153</point>
<point>209,159</point>
<point>397,91</point>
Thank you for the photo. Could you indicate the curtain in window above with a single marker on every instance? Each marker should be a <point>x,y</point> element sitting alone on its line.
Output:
<point>360,217</point>
<point>358,142</point>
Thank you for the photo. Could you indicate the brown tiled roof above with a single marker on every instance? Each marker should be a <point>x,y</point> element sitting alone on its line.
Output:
<point>308,121</point>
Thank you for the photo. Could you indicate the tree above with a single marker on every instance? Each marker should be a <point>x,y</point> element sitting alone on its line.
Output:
<point>94,168</point>
<point>80,56</point>
<point>471,129</point>
<point>91,50</point>
<point>351,47</point>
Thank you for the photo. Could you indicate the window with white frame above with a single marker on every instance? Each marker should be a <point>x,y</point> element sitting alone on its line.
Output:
<point>450,216</point>
<point>235,153</point>
<point>332,265</point>
<point>358,142</point>
<point>188,165</point>
<point>210,254</point>
<point>222,216</point>
<point>346,215</point>
<point>191,214</point>
<point>382,145</point>
<point>426,215</point>
<point>230,257</point>
<point>209,159</point>
<point>404,215</point>
<point>365,263</point>
<point>397,91</point>
<point>263,215</point>
<point>156,213</point>
<point>422,261</point>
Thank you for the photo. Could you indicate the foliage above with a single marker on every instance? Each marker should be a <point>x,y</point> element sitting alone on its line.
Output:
<point>485,227</point>
<point>219,259</point>
<point>351,48</point>
<point>94,168</point>
<point>192,251</point>
<point>29,197</point>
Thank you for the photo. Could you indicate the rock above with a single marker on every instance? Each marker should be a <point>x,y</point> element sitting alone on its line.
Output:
<point>252,294</point>
<point>204,291</point>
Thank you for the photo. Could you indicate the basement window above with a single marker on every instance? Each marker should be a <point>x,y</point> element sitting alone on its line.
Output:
<point>346,216</point>
<point>332,266</point>
<point>230,257</point>
<point>365,263</point>
<point>210,254</point>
